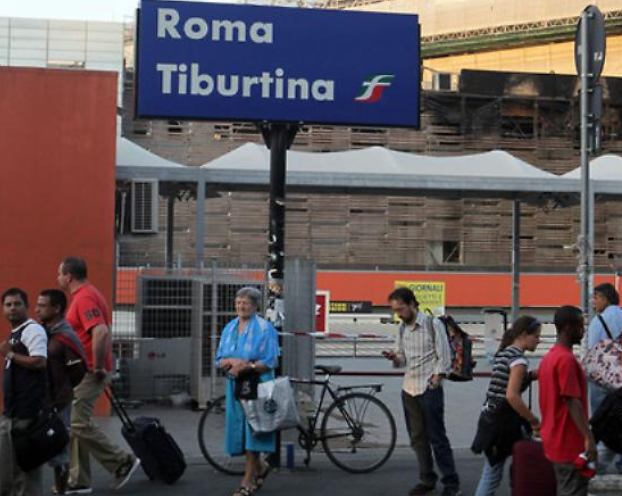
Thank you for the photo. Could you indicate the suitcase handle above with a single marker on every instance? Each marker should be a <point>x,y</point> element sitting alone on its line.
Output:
<point>119,409</point>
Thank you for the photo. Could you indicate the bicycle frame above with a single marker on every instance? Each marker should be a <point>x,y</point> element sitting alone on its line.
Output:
<point>334,402</point>
<point>309,433</point>
<point>313,421</point>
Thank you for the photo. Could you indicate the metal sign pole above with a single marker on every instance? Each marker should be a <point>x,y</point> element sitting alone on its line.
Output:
<point>585,241</point>
<point>278,138</point>
<point>590,47</point>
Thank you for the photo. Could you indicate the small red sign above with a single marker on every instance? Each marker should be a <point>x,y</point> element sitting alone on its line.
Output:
<point>322,304</point>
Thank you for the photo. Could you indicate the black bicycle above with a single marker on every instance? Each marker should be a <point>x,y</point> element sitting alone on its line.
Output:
<point>356,430</point>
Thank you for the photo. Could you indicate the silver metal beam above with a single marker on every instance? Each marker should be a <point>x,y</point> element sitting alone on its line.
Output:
<point>200,225</point>
<point>170,231</point>
<point>515,259</point>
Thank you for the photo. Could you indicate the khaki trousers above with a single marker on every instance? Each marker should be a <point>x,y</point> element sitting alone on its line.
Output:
<point>13,481</point>
<point>86,438</point>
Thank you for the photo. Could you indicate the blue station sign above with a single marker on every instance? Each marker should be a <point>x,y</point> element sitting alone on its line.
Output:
<point>206,61</point>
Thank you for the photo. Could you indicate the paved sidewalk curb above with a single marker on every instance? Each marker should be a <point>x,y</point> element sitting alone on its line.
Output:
<point>606,484</point>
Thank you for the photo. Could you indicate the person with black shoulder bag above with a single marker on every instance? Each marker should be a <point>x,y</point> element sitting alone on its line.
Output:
<point>25,383</point>
<point>66,369</point>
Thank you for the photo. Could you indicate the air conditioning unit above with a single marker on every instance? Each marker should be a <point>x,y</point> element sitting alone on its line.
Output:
<point>144,215</point>
<point>195,307</point>
<point>441,81</point>
<point>162,368</point>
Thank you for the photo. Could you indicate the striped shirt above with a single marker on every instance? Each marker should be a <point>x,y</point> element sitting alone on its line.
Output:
<point>504,361</point>
<point>423,349</point>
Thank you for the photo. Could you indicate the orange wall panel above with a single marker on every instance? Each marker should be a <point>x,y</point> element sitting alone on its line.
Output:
<point>463,289</point>
<point>58,163</point>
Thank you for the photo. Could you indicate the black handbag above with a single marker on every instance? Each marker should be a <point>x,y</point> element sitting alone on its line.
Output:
<point>607,421</point>
<point>40,441</point>
<point>246,385</point>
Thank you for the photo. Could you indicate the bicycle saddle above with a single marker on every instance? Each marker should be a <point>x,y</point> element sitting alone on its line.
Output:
<point>328,369</point>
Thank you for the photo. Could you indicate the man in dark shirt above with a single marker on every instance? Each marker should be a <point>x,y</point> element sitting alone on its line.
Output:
<point>25,355</point>
<point>66,362</point>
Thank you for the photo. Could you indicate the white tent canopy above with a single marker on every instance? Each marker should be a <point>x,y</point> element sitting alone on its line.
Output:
<point>378,170</point>
<point>605,173</point>
<point>604,168</point>
<point>382,161</point>
<point>136,163</point>
<point>132,155</point>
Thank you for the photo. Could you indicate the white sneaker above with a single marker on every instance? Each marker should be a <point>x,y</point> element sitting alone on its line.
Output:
<point>125,472</point>
<point>78,490</point>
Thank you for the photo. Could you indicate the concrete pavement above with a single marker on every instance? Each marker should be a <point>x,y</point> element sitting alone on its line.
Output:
<point>321,478</point>
<point>463,402</point>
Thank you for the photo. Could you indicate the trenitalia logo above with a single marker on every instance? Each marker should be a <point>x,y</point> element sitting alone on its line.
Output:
<point>372,88</point>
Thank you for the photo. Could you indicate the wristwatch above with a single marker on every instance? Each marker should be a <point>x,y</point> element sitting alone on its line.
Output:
<point>10,355</point>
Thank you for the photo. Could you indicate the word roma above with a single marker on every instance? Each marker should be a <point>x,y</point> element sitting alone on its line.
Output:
<point>197,28</point>
<point>175,79</point>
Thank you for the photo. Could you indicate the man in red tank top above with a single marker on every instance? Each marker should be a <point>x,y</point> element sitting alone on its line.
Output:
<point>89,316</point>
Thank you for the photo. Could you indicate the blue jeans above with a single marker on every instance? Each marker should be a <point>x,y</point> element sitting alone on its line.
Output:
<point>597,396</point>
<point>490,479</point>
<point>425,422</point>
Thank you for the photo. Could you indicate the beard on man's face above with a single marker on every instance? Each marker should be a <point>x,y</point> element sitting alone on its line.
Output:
<point>409,315</point>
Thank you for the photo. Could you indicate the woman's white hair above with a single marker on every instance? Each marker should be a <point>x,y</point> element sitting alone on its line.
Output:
<point>253,294</point>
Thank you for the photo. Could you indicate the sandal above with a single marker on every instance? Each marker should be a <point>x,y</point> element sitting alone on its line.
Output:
<point>259,479</point>
<point>243,491</point>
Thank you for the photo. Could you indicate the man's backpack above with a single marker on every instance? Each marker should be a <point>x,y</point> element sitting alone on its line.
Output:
<point>75,360</point>
<point>461,346</point>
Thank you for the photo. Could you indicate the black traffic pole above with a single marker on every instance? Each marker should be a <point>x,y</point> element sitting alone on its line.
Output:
<point>278,138</point>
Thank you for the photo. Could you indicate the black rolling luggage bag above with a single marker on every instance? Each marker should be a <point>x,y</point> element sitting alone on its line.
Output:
<point>160,456</point>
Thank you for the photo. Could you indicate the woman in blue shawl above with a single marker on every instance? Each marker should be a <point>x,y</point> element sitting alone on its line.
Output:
<point>248,343</point>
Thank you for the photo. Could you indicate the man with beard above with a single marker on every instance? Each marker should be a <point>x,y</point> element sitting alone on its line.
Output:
<point>563,405</point>
<point>25,355</point>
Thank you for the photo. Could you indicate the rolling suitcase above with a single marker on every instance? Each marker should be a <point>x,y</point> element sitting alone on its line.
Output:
<point>160,456</point>
<point>531,473</point>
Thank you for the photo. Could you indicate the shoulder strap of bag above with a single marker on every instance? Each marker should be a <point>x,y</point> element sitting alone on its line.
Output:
<point>602,321</point>
<point>66,341</point>
<point>429,323</point>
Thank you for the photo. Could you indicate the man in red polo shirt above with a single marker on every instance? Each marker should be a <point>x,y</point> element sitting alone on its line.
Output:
<point>563,404</point>
<point>89,316</point>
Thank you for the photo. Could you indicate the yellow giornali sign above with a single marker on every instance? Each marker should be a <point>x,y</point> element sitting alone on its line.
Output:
<point>430,294</point>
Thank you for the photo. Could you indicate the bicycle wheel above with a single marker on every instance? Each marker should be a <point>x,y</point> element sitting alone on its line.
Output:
<point>358,433</point>
<point>212,440</point>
